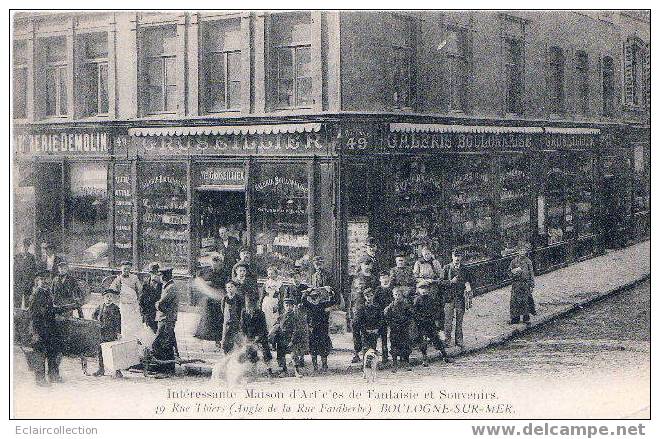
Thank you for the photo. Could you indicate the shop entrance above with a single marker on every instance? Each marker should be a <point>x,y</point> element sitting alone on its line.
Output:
<point>219,208</point>
<point>48,203</point>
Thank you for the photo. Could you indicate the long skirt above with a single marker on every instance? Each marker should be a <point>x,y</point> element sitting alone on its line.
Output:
<point>210,322</point>
<point>522,302</point>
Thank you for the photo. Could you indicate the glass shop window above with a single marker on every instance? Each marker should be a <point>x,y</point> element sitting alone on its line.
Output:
<point>557,210</point>
<point>86,217</point>
<point>280,220</point>
<point>515,212</point>
<point>472,208</point>
<point>164,215</point>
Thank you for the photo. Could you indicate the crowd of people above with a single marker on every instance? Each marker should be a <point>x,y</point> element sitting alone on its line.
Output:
<point>406,307</point>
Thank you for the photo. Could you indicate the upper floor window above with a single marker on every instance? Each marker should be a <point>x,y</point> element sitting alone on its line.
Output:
<point>20,80</point>
<point>608,86</point>
<point>513,70</point>
<point>582,82</point>
<point>633,72</point>
<point>556,80</point>
<point>93,74</point>
<point>221,65</point>
<point>56,98</point>
<point>403,59</point>
<point>159,78</point>
<point>292,56</point>
<point>457,68</point>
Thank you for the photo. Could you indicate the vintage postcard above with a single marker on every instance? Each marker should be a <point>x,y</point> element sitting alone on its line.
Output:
<point>331,213</point>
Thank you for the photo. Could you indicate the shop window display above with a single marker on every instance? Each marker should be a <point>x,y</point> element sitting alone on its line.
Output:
<point>417,204</point>
<point>164,218</point>
<point>472,208</point>
<point>280,220</point>
<point>583,194</point>
<point>515,210</point>
<point>557,209</point>
<point>86,218</point>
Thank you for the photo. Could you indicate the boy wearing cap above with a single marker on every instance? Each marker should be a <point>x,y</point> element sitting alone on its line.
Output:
<point>318,318</point>
<point>289,335</point>
<point>398,316</point>
<point>459,296</point>
<point>383,297</point>
<point>428,268</point>
<point>253,327</point>
<point>109,316</point>
<point>65,289</point>
<point>369,322</point>
<point>425,311</point>
<point>151,292</point>
<point>232,307</point>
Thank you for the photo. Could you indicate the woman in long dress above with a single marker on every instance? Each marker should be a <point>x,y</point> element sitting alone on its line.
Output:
<point>522,301</point>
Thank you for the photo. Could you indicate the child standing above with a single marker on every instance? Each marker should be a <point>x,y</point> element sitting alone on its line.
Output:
<point>318,318</point>
<point>382,298</point>
<point>425,310</point>
<point>522,301</point>
<point>109,317</point>
<point>272,303</point>
<point>289,335</point>
<point>232,305</point>
<point>398,315</point>
<point>369,322</point>
<point>401,273</point>
<point>253,327</point>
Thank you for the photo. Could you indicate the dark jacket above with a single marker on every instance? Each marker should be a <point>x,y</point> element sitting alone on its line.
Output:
<point>455,291</point>
<point>383,297</point>
<point>110,318</point>
<point>46,336</point>
<point>230,251</point>
<point>253,325</point>
<point>425,309</point>
<point>25,269</point>
<point>66,290</point>
<point>369,318</point>
<point>150,295</point>
<point>167,308</point>
<point>42,264</point>
<point>402,277</point>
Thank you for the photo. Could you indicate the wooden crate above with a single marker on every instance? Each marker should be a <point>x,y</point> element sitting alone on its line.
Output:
<point>120,355</point>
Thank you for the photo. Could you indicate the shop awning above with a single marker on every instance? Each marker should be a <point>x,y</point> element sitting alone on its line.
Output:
<point>227,130</point>
<point>440,128</point>
<point>558,130</point>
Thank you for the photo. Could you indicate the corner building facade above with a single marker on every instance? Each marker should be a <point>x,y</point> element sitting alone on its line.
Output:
<point>138,135</point>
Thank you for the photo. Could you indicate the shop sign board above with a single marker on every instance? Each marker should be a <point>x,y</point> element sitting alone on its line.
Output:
<point>222,176</point>
<point>63,144</point>
<point>249,144</point>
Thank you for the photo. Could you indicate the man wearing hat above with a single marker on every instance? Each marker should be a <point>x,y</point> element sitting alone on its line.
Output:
<point>228,247</point>
<point>109,317</point>
<point>65,289</point>
<point>458,297</point>
<point>151,292</point>
<point>46,340</point>
<point>25,268</point>
<point>130,288</point>
<point>167,309</point>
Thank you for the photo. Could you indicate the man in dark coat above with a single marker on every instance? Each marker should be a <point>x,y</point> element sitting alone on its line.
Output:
<point>229,247</point>
<point>232,307</point>
<point>109,317</point>
<point>210,322</point>
<point>318,318</point>
<point>46,339</point>
<point>167,308</point>
<point>151,292</point>
<point>25,269</point>
<point>459,288</point>
<point>65,288</point>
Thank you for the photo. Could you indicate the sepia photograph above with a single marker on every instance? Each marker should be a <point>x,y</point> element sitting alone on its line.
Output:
<point>330,214</point>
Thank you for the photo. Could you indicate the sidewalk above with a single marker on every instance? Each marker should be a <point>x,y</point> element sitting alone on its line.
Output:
<point>487,322</point>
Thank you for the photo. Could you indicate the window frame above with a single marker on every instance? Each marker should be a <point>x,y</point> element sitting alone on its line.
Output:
<point>161,58</point>
<point>461,60</point>
<point>23,68</point>
<point>58,67</point>
<point>294,47</point>
<point>608,104</point>
<point>225,52</point>
<point>556,87</point>
<point>98,62</point>
<point>517,106</point>
<point>582,79</point>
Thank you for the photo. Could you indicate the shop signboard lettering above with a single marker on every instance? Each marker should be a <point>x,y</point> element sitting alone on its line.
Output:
<point>563,141</point>
<point>233,176</point>
<point>63,144</point>
<point>257,144</point>
<point>123,210</point>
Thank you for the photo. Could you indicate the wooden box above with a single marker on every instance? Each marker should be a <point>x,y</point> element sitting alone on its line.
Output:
<point>119,355</point>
